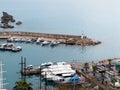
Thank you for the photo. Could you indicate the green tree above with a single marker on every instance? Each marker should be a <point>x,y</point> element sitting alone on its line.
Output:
<point>113,80</point>
<point>109,64</point>
<point>22,85</point>
<point>94,69</point>
<point>86,66</point>
<point>109,60</point>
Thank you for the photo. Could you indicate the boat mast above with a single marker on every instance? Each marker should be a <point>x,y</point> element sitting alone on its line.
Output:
<point>1,76</point>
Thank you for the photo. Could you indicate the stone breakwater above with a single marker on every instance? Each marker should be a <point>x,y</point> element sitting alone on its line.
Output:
<point>66,39</point>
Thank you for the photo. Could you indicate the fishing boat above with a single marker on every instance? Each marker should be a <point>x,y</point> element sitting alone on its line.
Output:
<point>10,47</point>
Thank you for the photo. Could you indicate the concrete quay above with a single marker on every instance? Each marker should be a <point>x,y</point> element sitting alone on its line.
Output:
<point>65,39</point>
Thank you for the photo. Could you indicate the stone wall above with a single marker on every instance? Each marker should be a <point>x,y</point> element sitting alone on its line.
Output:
<point>45,35</point>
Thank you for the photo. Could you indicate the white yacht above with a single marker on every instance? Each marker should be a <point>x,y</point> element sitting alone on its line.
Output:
<point>39,40</point>
<point>45,43</point>
<point>10,47</point>
<point>54,42</point>
<point>60,72</point>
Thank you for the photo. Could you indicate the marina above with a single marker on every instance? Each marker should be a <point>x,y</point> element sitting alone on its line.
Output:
<point>95,19</point>
<point>64,39</point>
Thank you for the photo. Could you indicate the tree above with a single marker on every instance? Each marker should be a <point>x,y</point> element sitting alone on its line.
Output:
<point>109,65</point>
<point>113,80</point>
<point>22,85</point>
<point>109,60</point>
<point>94,69</point>
<point>86,66</point>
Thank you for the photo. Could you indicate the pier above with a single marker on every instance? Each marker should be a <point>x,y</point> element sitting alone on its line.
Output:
<point>65,39</point>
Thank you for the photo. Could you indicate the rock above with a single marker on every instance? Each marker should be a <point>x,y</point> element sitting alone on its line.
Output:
<point>5,26</point>
<point>5,19</point>
<point>18,22</point>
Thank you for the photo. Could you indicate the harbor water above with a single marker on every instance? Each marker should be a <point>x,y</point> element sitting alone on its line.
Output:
<point>95,19</point>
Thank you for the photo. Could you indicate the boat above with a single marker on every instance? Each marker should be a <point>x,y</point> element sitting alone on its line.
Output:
<point>1,77</point>
<point>45,43</point>
<point>13,39</point>
<point>45,65</point>
<point>10,47</point>
<point>29,67</point>
<point>39,40</point>
<point>54,42</point>
<point>60,72</point>
<point>16,49</point>
<point>29,40</point>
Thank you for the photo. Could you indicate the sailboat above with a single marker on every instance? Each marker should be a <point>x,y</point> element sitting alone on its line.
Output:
<point>1,77</point>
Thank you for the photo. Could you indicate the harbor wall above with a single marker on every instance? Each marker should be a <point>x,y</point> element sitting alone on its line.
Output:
<point>34,34</point>
<point>66,39</point>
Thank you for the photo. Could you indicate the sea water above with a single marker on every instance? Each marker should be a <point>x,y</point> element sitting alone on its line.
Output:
<point>97,19</point>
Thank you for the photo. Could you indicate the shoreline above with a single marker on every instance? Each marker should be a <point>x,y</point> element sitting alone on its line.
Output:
<point>67,39</point>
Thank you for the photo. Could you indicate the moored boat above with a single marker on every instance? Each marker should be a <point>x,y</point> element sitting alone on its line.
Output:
<point>45,43</point>
<point>54,43</point>
<point>60,73</point>
<point>10,47</point>
<point>39,40</point>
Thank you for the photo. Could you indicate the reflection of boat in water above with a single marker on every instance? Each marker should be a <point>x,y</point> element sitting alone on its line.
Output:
<point>10,47</point>
<point>60,72</point>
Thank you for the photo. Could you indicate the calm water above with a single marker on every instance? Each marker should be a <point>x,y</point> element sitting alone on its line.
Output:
<point>98,19</point>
